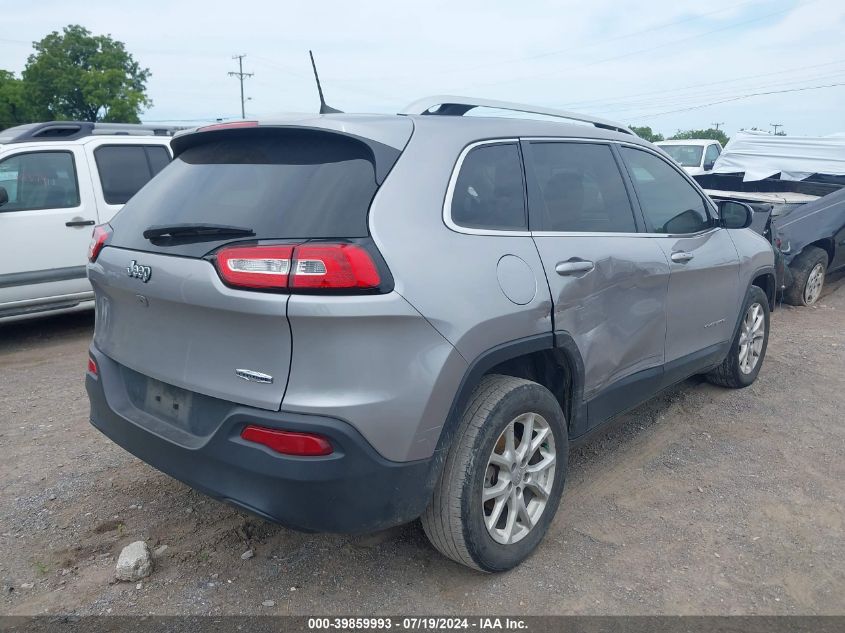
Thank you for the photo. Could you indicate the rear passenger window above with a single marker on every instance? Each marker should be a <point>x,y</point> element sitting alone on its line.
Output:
<point>124,169</point>
<point>489,192</point>
<point>581,189</point>
<point>669,202</point>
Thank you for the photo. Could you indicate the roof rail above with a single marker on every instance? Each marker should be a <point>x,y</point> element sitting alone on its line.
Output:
<point>70,130</point>
<point>450,105</point>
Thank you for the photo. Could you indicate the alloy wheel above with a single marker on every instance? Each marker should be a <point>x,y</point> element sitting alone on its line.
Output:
<point>518,479</point>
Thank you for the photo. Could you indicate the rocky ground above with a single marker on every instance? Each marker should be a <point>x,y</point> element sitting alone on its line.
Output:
<point>703,501</point>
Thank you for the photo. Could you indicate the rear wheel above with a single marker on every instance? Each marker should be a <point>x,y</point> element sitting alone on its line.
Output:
<point>743,362</point>
<point>808,273</point>
<point>503,476</point>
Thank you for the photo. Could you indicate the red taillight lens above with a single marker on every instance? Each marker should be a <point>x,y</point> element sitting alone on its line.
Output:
<point>310,266</point>
<point>92,367</point>
<point>98,239</point>
<point>333,266</point>
<point>288,442</point>
<point>255,266</point>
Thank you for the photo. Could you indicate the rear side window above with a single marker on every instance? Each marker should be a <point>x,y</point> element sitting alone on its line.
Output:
<point>581,189</point>
<point>124,169</point>
<point>670,203</point>
<point>39,180</point>
<point>278,185</point>
<point>489,191</point>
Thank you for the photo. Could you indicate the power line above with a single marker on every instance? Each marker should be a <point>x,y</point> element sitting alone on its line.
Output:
<point>241,75</point>
<point>716,125</point>
<point>776,126</point>
<point>737,98</point>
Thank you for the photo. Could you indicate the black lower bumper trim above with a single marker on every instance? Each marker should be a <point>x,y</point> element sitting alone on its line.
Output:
<point>352,490</point>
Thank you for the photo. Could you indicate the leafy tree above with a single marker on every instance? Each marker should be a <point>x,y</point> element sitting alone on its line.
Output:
<point>646,133</point>
<point>77,75</point>
<point>710,133</point>
<point>13,106</point>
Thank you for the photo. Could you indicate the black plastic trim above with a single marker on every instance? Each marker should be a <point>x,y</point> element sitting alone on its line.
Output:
<point>9,280</point>
<point>350,491</point>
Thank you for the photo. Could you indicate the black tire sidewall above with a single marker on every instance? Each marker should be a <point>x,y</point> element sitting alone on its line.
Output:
<point>800,268</point>
<point>487,553</point>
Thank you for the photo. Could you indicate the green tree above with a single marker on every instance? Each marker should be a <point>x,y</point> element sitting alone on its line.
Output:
<point>13,105</point>
<point>710,133</point>
<point>80,76</point>
<point>647,133</point>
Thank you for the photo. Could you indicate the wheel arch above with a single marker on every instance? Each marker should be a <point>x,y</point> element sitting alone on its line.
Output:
<point>543,358</point>
<point>766,280</point>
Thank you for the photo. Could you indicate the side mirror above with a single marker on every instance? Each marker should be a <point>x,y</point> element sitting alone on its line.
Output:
<point>4,196</point>
<point>708,165</point>
<point>735,215</point>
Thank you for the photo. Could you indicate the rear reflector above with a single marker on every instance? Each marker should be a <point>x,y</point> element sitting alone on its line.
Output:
<point>312,266</point>
<point>98,239</point>
<point>92,367</point>
<point>288,442</point>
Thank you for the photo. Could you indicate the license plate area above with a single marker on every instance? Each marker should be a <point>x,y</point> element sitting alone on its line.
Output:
<point>168,403</point>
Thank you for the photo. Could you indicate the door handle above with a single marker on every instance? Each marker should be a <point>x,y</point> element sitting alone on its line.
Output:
<point>79,222</point>
<point>574,267</point>
<point>682,257</point>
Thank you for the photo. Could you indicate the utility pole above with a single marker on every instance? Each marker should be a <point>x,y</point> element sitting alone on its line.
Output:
<point>716,125</point>
<point>240,74</point>
<point>776,126</point>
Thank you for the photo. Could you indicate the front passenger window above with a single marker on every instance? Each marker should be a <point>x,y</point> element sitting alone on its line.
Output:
<point>39,180</point>
<point>670,203</point>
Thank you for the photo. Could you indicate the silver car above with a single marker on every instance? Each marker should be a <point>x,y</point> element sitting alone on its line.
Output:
<point>347,322</point>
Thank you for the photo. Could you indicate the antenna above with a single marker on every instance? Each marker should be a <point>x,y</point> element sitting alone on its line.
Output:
<point>324,109</point>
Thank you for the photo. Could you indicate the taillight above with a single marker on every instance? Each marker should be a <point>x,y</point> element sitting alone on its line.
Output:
<point>288,442</point>
<point>92,367</point>
<point>311,266</point>
<point>334,266</point>
<point>98,240</point>
<point>255,266</point>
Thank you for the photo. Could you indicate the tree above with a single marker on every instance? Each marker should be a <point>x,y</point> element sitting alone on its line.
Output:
<point>710,133</point>
<point>13,105</point>
<point>646,133</point>
<point>80,76</point>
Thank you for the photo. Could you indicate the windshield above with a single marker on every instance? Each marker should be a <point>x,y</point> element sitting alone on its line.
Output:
<point>686,155</point>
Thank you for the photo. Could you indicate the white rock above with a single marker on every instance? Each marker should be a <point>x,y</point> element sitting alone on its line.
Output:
<point>269,603</point>
<point>247,554</point>
<point>161,549</point>
<point>134,562</point>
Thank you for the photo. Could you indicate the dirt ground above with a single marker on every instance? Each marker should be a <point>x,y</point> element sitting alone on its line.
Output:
<point>703,501</point>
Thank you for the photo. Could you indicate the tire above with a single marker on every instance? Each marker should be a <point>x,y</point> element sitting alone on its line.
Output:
<point>455,519</point>
<point>808,273</point>
<point>737,370</point>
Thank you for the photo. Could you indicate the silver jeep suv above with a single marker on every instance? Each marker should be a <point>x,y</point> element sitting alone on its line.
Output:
<point>347,322</point>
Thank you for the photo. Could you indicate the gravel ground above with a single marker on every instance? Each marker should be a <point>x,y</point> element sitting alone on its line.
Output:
<point>704,501</point>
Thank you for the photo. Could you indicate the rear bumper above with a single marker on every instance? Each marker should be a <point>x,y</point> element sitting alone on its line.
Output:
<point>352,490</point>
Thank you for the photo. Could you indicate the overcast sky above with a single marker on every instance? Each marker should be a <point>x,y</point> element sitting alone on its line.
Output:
<point>644,63</point>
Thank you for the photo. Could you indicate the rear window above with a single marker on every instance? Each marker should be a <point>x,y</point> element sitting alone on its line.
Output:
<point>281,186</point>
<point>124,169</point>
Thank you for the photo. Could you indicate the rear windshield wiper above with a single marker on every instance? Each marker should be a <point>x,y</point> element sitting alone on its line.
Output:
<point>196,230</point>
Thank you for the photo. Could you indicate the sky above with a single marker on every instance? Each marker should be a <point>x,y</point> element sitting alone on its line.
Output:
<point>668,64</point>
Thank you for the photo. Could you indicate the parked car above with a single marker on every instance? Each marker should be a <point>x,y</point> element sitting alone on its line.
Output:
<point>799,181</point>
<point>696,156</point>
<point>57,180</point>
<point>349,322</point>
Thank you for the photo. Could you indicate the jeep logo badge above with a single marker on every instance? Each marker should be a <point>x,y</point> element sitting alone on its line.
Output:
<point>138,271</point>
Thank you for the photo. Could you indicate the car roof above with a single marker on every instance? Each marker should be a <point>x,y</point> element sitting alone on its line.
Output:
<point>394,130</point>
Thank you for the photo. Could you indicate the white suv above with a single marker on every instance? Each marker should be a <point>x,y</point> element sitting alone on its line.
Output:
<point>57,181</point>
